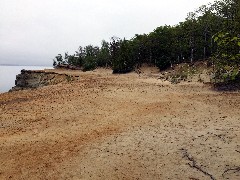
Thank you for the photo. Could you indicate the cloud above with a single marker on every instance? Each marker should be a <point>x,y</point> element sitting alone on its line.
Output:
<point>34,31</point>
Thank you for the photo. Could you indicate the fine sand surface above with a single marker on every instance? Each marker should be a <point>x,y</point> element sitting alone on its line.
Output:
<point>129,126</point>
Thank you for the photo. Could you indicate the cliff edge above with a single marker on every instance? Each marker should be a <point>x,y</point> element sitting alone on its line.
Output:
<point>38,78</point>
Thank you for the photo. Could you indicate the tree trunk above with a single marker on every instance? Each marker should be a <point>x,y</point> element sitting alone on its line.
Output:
<point>204,49</point>
<point>192,55</point>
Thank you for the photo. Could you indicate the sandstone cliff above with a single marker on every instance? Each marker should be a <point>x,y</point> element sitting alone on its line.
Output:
<point>38,78</point>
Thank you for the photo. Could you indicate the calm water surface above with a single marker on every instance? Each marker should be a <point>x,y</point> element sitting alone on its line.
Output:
<point>8,75</point>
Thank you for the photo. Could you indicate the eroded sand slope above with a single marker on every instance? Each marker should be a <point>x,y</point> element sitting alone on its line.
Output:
<point>106,126</point>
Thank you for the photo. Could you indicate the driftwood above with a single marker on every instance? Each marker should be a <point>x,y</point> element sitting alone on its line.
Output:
<point>235,169</point>
<point>193,163</point>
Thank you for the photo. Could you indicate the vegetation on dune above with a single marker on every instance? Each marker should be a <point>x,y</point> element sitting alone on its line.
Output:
<point>210,33</point>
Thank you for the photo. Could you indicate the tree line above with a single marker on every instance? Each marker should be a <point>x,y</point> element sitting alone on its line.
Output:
<point>212,33</point>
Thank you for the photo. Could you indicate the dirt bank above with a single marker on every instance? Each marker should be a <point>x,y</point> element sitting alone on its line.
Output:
<point>130,126</point>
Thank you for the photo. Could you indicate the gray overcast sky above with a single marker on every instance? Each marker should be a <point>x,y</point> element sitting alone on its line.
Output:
<point>33,32</point>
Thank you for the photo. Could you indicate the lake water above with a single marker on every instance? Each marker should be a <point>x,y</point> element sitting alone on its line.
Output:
<point>8,75</point>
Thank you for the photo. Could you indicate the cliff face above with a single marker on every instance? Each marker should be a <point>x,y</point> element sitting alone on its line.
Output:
<point>33,79</point>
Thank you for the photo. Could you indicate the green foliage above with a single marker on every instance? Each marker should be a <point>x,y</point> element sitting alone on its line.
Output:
<point>58,60</point>
<point>181,73</point>
<point>89,63</point>
<point>73,60</point>
<point>54,63</point>
<point>163,62</point>
<point>121,52</point>
<point>227,57</point>
<point>186,42</point>
<point>90,57</point>
<point>103,57</point>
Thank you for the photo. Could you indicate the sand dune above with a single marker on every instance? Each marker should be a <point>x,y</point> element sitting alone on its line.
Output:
<point>130,126</point>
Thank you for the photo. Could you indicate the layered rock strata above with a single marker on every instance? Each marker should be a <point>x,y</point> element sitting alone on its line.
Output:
<point>38,78</point>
